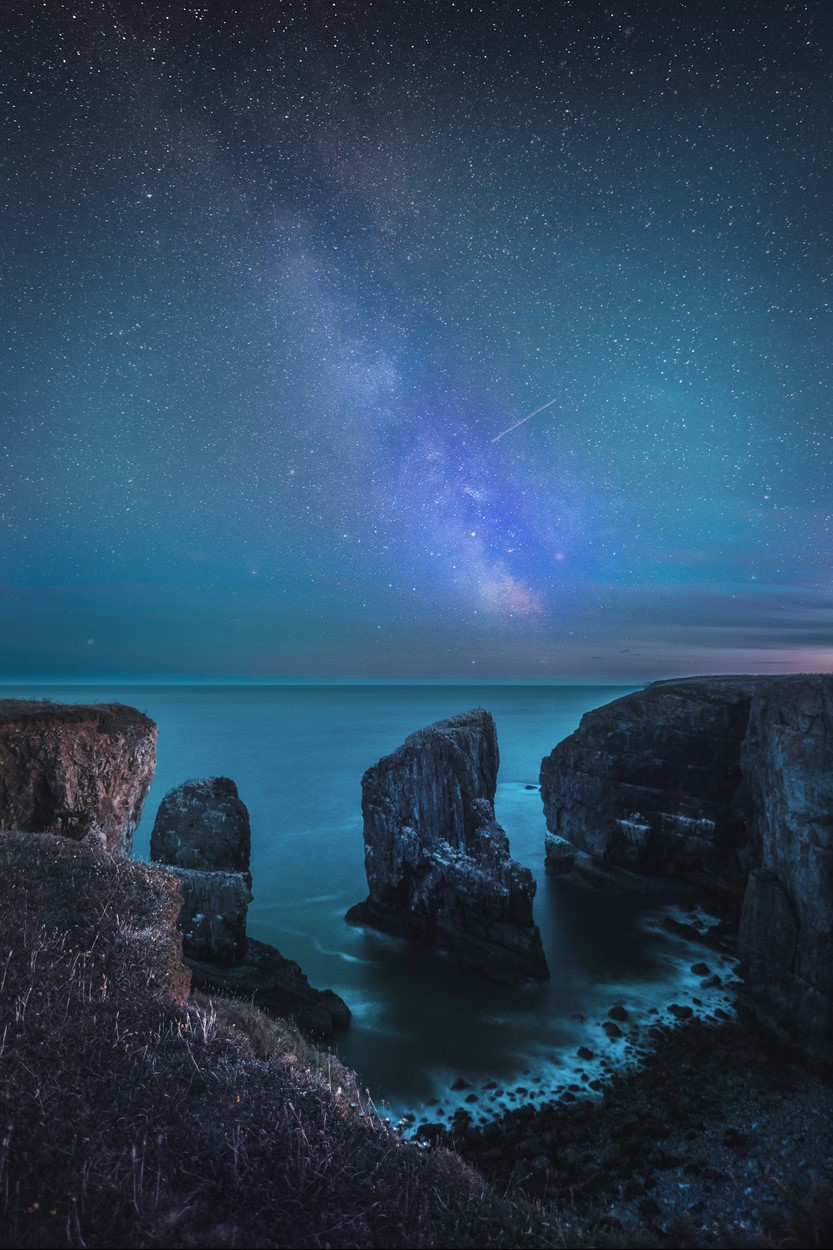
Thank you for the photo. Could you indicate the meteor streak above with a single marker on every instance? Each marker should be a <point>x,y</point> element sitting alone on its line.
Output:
<point>524,420</point>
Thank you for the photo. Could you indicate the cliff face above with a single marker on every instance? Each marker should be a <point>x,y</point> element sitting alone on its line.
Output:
<point>438,865</point>
<point>74,768</point>
<point>726,783</point>
<point>786,929</point>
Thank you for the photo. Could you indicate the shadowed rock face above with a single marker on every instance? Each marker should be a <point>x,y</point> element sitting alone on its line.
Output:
<point>75,769</point>
<point>202,828</point>
<point>202,831</point>
<point>203,824</point>
<point>438,865</point>
<point>726,783</point>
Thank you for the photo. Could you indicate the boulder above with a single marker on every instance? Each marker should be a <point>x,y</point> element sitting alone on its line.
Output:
<point>438,864</point>
<point>81,770</point>
<point>725,783</point>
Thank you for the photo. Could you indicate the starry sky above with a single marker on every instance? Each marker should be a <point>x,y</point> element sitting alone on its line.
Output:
<point>415,340</point>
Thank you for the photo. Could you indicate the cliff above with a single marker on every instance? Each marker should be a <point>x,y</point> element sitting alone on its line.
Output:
<point>76,769</point>
<point>133,1115</point>
<point>725,783</point>
<point>438,864</point>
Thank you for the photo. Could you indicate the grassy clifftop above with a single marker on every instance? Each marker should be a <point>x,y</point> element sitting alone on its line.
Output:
<point>133,1115</point>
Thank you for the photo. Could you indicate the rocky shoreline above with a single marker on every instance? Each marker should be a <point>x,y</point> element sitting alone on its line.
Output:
<point>719,1137</point>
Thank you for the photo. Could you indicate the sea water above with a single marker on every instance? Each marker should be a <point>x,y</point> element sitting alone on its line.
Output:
<point>297,753</point>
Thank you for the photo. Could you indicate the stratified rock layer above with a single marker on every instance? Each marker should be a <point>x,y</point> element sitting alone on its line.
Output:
<point>726,783</point>
<point>75,769</point>
<point>438,865</point>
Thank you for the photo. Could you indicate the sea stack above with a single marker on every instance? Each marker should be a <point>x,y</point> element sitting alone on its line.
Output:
<point>438,864</point>
<point>725,783</point>
<point>81,770</point>
<point>203,833</point>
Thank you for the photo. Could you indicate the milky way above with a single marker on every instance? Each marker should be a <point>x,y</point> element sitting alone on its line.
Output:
<point>415,340</point>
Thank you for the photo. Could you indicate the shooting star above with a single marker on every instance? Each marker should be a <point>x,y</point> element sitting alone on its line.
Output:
<point>524,420</point>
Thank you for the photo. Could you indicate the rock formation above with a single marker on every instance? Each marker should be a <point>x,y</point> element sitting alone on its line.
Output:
<point>726,783</point>
<point>202,831</point>
<point>75,769</point>
<point>438,865</point>
<point>203,824</point>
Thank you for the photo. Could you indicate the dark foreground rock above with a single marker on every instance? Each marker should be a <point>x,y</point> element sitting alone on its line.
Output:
<point>718,1139</point>
<point>82,770</point>
<point>278,986</point>
<point>726,783</point>
<point>202,831</point>
<point>438,865</point>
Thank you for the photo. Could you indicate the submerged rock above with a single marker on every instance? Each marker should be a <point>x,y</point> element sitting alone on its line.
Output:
<point>438,864</point>
<point>202,831</point>
<point>726,783</point>
<point>81,770</point>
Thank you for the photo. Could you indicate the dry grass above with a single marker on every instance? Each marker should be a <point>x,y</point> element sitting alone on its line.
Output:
<point>134,1116</point>
<point>128,1118</point>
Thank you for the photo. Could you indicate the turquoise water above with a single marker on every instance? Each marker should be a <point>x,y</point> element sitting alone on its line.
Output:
<point>297,754</point>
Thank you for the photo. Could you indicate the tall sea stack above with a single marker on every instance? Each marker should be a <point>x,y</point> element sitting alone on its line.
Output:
<point>438,864</point>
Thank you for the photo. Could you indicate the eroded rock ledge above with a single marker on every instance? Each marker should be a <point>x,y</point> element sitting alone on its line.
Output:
<point>82,770</point>
<point>438,864</point>
<point>726,783</point>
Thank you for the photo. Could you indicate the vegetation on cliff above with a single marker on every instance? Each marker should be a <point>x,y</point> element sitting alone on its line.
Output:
<point>133,1115</point>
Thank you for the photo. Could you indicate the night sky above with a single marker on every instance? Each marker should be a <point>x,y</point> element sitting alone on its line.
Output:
<point>279,279</point>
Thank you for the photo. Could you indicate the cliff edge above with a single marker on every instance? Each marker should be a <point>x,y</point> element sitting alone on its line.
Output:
<point>725,783</point>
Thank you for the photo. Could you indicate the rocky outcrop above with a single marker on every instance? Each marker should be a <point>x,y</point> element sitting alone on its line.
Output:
<point>203,824</point>
<point>278,986</point>
<point>75,769</point>
<point>438,864</point>
<point>786,928</point>
<point>725,783</point>
<point>203,832</point>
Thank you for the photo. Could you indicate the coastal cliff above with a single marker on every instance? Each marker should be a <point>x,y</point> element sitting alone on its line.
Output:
<point>203,832</point>
<point>82,770</point>
<point>438,864</point>
<point>725,783</point>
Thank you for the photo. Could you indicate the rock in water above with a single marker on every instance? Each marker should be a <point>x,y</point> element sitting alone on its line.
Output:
<point>438,864</point>
<point>203,824</point>
<point>203,828</point>
<point>727,783</point>
<point>75,768</point>
<point>202,831</point>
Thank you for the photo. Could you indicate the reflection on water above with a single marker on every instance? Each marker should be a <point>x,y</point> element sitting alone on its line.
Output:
<point>297,754</point>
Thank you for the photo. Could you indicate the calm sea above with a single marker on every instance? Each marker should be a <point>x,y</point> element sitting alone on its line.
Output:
<point>297,754</point>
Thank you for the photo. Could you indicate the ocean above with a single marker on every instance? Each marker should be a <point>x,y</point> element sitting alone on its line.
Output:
<point>297,753</point>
